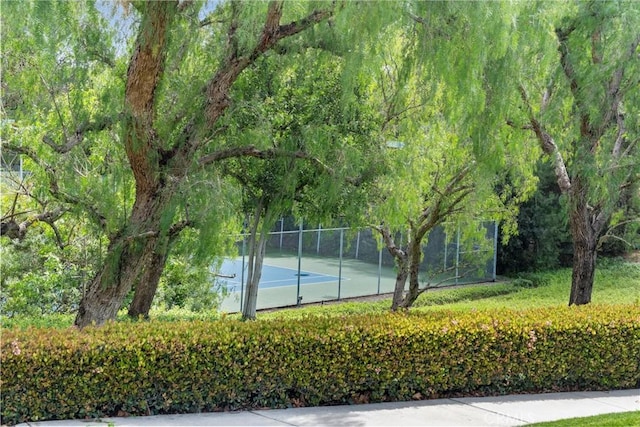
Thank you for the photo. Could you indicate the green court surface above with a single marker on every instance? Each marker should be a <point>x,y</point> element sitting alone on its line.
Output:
<point>354,279</point>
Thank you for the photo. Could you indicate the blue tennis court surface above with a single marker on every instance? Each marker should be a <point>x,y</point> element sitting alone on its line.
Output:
<point>272,276</point>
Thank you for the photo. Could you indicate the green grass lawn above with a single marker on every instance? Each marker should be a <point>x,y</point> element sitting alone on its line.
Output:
<point>623,419</point>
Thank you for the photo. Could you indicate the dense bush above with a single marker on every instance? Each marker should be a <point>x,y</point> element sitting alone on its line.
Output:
<point>177,367</point>
<point>39,278</point>
<point>543,240</point>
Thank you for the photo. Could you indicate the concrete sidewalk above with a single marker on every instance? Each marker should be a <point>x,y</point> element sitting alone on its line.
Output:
<point>514,410</point>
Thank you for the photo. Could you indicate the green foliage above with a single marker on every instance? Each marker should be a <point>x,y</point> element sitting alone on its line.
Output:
<point>530,280</point>
<point>149,368</point>
<point>543,241</point>
<point>440,76</point>
<point>187,285</point>
<point>623,235</point>
<point>292,104</point>
<point>616,282</point>
<point>57,321</point>
<point>39,278</point>
<point>464,294</point>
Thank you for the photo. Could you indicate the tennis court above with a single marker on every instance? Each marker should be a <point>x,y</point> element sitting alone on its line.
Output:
<point>326,264</point>
<point>233,273</point>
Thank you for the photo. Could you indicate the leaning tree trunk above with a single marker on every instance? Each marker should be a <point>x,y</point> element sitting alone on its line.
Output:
<point>133,249</point>
<point>401,259</point>
<point>146,287</point>
<point>128,256</point>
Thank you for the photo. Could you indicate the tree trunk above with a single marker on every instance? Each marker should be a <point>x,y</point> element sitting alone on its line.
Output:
<point>251,296</point>
<point>585,241</point>
<point>128,256</point>
<point>257,246</point>
<point>148,284</point>
<point>113,281</point>
<point>401,280</point>
<point>415,256</point>
<point>133,256</point>
<point>408,265</point>
<point>402,264</point>
<point>584,266</point>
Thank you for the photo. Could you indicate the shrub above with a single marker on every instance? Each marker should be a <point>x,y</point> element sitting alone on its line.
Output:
<point>158,367</point>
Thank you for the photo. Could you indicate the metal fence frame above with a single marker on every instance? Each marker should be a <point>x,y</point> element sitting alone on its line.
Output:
<point>283,240</point>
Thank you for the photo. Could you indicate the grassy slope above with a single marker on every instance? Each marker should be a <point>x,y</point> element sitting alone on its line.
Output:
<point>616,283</point>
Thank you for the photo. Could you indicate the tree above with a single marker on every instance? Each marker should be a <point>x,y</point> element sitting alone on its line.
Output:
<point>441,99</point>
<point>326,152</point>
<point>176,88</point>
<point>586,120</point>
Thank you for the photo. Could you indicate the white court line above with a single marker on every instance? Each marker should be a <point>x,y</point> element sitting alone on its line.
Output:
<point>333,279</point>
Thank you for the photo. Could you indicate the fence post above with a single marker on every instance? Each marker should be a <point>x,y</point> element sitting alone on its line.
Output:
<point>379,268</point>
<point>495,249</point>
<point>457,254</point>
<point>298,297</point>
<point>244,250</point>
<point>340,263</point>
<point>446,247</point>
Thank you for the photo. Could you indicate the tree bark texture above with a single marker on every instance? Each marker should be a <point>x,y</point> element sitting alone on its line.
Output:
<point>408,268</point>
<point>415,257</point>
<point>401,281</point>
<point>584,266</point>
<point>402,265</point>
<point>585,232</point>
<point>128,256</point>
<point>147,285</point>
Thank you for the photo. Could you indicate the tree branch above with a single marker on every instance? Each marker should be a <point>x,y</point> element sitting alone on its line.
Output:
<point>389,243</point>
<point>146,68</point>
<point>55,105</point>
<point>78,136</point>
<point>218,87</point>
<point>615,93</point>
<point>434,213</point>
<point>548,145</point>
<point>567,67</point>
<point>55,190</point>
<point>18,230</point>
<point>270,153</point>
<point>176,228</point>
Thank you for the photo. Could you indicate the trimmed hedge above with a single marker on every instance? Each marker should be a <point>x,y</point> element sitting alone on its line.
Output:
<point>178,367</point>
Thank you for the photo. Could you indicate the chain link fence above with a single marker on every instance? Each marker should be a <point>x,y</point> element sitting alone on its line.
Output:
<point>355,264</point>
